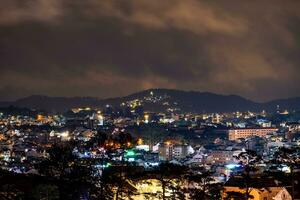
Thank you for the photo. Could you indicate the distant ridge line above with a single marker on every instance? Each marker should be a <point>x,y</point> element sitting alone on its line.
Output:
<point>187,101</point>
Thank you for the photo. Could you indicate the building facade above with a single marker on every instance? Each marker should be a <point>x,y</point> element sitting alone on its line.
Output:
<point>234,134</point>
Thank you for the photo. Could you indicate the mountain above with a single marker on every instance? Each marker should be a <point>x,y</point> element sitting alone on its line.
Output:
<point>159,100</point>
<point>55,104</point>
<point>288,104</point>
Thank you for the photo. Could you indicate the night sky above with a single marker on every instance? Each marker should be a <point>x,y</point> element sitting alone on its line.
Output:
<point>113,48</point>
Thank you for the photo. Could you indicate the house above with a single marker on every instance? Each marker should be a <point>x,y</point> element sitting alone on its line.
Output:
<point>259,188</point>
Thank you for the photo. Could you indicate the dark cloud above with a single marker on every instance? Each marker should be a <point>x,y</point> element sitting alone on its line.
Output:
<point>112,48</point>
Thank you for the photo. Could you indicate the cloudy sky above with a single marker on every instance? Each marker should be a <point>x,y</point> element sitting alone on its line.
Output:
<point>113,48</point>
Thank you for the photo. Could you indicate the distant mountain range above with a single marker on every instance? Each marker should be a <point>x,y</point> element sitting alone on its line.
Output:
<point>159,100</point>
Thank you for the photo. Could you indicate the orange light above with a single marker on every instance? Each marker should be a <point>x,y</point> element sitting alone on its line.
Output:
<point>40,117</point>
<point>140,141</point>
<point>146,118</point>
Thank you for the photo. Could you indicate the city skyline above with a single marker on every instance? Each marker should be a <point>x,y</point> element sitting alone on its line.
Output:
<point>111,49</point>
<point>149,99</point>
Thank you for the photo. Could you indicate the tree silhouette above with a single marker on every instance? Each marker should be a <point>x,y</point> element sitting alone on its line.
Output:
<point>249,160</point>
<point>46,192</point>
<point>201,185</point>
<point>170,177</point>
<point>291,158</point>
<point>70,174</point>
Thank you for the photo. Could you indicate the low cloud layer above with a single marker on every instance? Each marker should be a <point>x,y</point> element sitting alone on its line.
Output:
<point>113,48</point>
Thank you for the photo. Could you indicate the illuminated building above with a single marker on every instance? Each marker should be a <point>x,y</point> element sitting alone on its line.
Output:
<point>293,126</point>
<point>169,151</point>
<point>146,118</point>
<point>259,188</point>
<point>216,118</point>
<point>271,193</point>
<point>140,141</point>
<point>100,119</point>
<point>165,151</point>
<point>180,151</point>
<point>5,155</point>
<point>64,136</point>
<point>264,123</point>
<point>220,157</point>
<point>143,147</point>
<point>40,118</point>
<point>234,134</point>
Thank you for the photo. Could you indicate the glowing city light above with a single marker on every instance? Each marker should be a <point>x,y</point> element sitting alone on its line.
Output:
<point>65,134</point>
<point>232,166</point>
<point>129,153</point>
<point>140,141</point>
<point>146,118</point>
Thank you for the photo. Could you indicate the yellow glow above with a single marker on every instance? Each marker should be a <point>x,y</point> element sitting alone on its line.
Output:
<point>150,186</point>
<point>146,118</point>
<point>100,117</point>
<point>65,134</point>
<point>140,141</point>
<point>40,117</point>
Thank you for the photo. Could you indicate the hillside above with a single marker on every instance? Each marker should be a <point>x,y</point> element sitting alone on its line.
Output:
<point>159,100</point>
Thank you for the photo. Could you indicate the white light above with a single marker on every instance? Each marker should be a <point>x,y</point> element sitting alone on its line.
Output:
<point>65,134</point>
<point>232,166</point>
